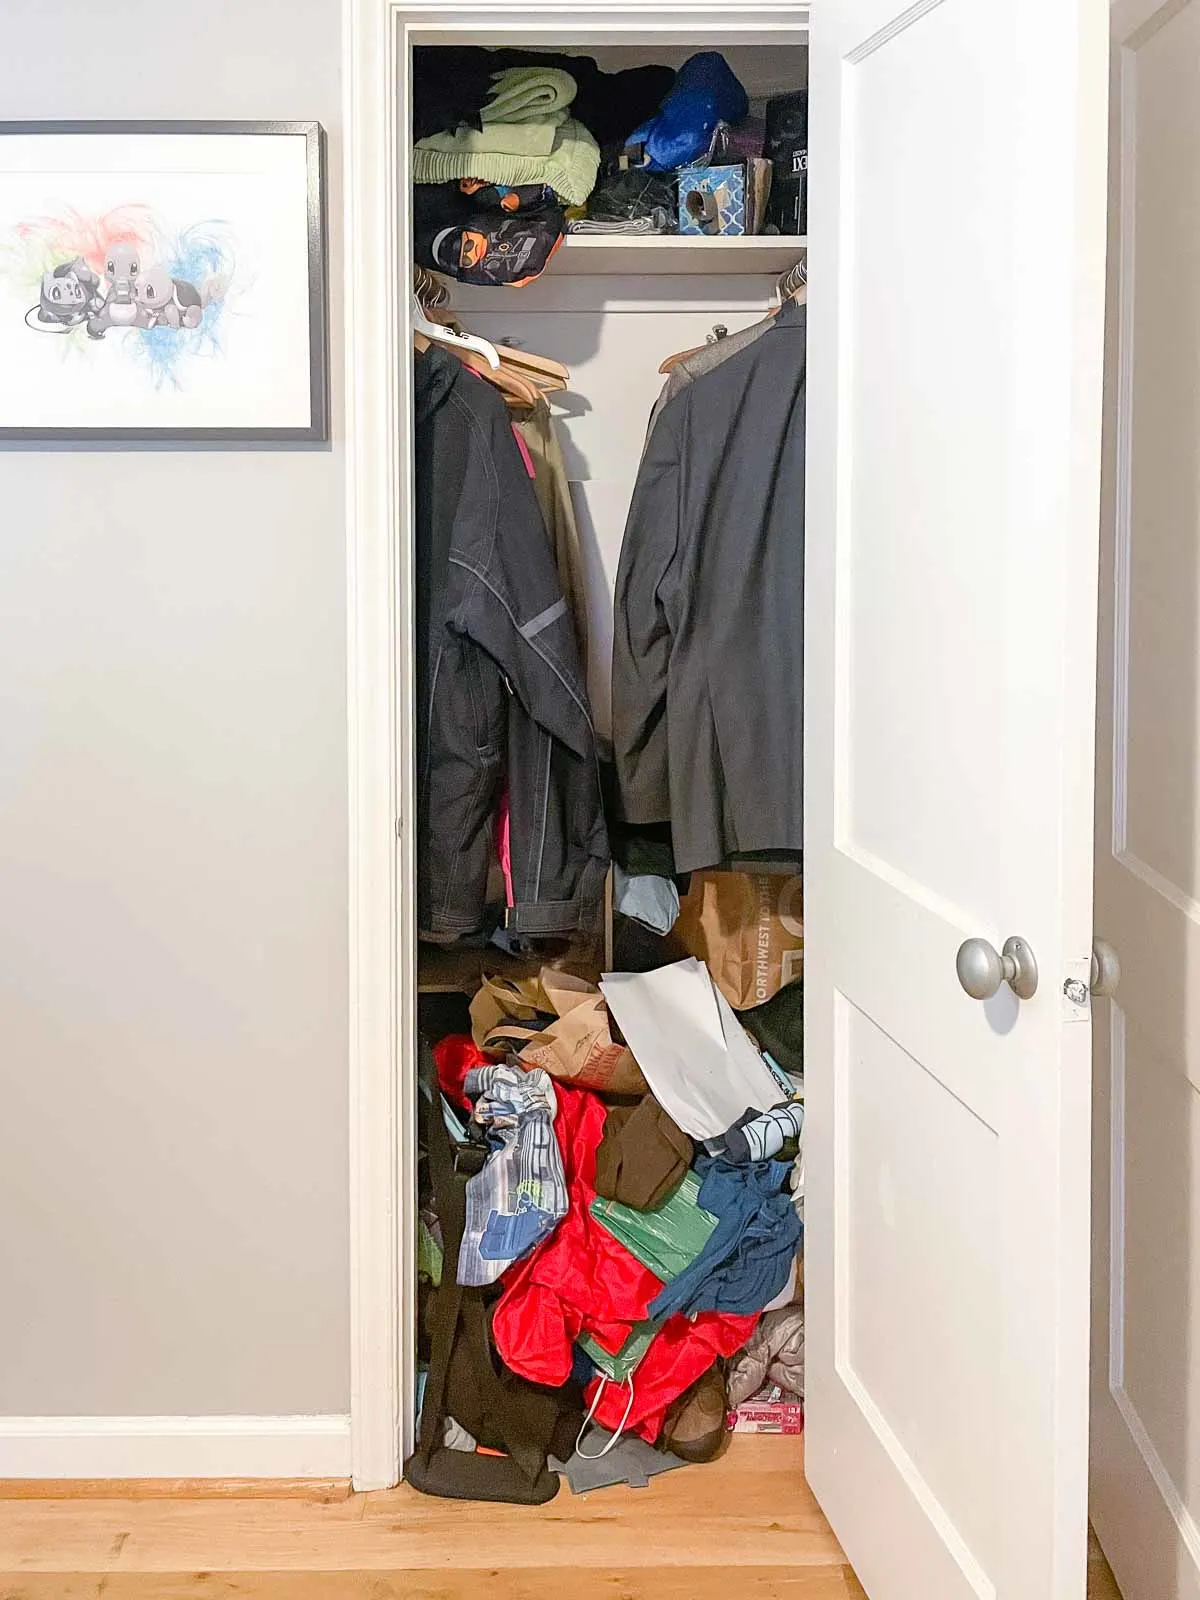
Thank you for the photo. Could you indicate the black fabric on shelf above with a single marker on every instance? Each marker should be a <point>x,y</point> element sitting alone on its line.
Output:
<point>452,83</point>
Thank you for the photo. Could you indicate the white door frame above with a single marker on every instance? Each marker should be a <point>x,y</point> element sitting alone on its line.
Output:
<point>1148,1531</point>
<point>376,52</point>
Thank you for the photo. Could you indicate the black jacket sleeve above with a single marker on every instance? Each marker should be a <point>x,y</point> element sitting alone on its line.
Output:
<point>512,607</point>
<point>641,629</point>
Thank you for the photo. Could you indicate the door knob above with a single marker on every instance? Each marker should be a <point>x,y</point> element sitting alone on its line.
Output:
<point>1106,968</point>
<point>981,970</point>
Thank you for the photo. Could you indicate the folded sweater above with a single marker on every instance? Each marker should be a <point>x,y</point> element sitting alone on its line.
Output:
<point>452,83</point>
<point>521,139</point>
<point>569,164</point>
<point>528,94</point>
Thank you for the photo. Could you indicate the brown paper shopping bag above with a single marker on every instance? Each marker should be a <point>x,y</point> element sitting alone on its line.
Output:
<point>748,927</point>
<point>557,1022</point>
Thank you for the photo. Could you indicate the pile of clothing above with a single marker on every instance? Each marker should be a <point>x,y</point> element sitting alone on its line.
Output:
<point>504,142</point>
<point>512,148</point>
<point>706,163</point>
<point>604,1277</point>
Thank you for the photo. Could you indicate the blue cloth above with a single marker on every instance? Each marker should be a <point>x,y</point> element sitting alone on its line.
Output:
<point>747,1259</point>
<point>705,93</point>
<point>648,899</point>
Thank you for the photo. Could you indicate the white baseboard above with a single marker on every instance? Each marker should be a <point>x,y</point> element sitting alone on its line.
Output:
<point>175,1447</point>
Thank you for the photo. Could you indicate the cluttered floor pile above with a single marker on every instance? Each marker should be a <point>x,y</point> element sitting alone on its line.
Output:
<point>611,1230</point>
<point>514,148</point>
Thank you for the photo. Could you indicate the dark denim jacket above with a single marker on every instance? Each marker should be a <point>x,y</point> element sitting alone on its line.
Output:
<point>501,698</point>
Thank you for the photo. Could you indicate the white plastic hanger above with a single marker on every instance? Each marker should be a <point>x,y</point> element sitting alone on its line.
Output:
<point>457,341</point>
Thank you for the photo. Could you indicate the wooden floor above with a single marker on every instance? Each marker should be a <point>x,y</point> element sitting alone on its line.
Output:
<point>676,1540</point>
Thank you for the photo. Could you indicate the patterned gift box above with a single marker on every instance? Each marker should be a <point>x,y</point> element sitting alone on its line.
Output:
<point>712,200</point>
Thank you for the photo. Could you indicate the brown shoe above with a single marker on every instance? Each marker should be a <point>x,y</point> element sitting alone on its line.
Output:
<point>697,1425</point>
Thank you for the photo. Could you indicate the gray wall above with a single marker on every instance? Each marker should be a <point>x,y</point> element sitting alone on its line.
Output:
<point>173,1118</point>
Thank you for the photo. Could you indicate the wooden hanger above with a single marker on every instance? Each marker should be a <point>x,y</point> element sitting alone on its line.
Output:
<point>519,376</point>
<point>547,373</point>
<point>429,289</point>
<point>719,332</point>
<point>516,390</point>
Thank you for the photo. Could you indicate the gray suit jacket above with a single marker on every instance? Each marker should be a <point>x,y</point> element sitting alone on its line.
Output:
<point>708,650</point>
<point>706,359</point>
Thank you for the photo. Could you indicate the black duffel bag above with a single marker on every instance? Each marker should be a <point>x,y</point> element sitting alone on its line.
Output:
<point>467,1381</point>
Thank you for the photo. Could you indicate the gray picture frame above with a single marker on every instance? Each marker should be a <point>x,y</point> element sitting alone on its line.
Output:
<point>317,431</point>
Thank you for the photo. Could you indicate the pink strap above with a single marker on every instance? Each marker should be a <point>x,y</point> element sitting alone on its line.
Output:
<point>524,449</point>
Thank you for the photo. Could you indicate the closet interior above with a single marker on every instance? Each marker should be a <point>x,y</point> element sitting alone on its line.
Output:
<point>608,369</point>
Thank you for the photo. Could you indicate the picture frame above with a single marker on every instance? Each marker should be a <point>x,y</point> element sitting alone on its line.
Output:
<point>163,281</point>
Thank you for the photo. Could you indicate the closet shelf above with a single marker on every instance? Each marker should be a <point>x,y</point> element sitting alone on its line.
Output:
<point>765,253</point>
<point>461,971</point>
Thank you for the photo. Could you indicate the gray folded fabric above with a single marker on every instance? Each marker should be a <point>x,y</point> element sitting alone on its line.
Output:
<point>631,1461</point>
<point>456,1437</point>
<point>658,221</point>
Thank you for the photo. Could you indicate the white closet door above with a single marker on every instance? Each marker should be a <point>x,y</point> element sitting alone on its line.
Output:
<point>1146,1340</point>
<point>956,307</point>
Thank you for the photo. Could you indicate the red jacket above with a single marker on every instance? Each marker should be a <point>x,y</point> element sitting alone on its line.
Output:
<point>454,1056</point>
<point>581,1280</point>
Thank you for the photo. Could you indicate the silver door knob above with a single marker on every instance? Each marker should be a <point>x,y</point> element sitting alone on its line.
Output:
<point>1106,968</point>
<point>981,969</point>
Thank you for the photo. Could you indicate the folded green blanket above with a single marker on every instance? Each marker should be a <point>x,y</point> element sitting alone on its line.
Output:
<point>569,164</point>
<point>529,94</point>
<point>496,139</point>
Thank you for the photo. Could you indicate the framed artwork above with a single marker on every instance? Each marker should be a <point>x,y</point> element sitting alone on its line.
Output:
<point>163,280</point>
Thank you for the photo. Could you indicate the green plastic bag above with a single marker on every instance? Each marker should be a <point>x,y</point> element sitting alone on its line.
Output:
<point>620,1367</point>
<point>666,1239</point>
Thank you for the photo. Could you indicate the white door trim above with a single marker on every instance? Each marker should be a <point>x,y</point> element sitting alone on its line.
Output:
<point>1146,1527</point>
<point>382,1044</point>
<point>175,1447</point>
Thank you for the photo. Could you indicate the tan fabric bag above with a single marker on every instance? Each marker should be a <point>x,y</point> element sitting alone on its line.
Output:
<point>748,927</point>
<point>577,1047</point>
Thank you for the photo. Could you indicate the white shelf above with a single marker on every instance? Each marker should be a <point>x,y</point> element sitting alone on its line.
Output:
<point>766,253</point>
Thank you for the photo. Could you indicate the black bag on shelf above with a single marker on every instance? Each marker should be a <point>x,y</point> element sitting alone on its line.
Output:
<point>629,195</point>
<point>466,1379</point>
<point>786,148</point>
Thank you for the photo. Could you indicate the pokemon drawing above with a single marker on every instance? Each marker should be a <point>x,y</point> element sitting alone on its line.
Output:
<point>126,275</point>
<point>68,294</point>
<point>130,295</point>
<point>168,302</point>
